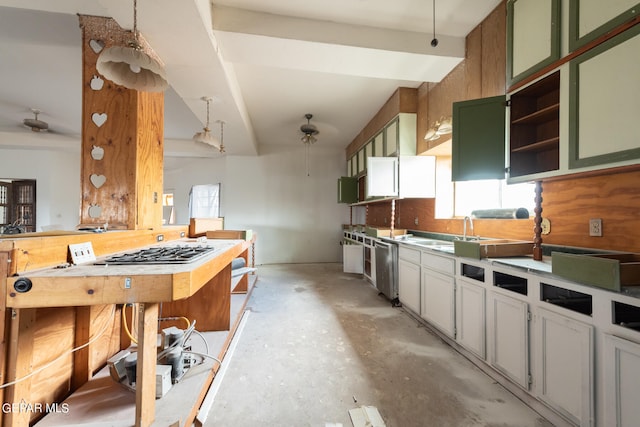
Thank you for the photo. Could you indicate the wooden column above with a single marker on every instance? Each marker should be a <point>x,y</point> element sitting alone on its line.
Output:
<point>20,364</point>
<point>122,140</point>
<point>146,366</point>
<point>537,221</point>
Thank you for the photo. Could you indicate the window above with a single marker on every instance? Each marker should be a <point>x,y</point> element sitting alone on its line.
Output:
<point>492,194</point>
<point>168,214</point>
<point>18,204</point>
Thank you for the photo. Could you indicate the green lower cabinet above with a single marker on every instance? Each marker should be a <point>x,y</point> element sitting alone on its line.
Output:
<point>347,189</point>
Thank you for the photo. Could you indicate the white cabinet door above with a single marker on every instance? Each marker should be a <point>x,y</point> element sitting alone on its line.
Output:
<point>621,382</point>
<point>353,258</point>
<point>470,317</point>
<point>438,301</point>
<point>382,177</point>
<point>564,362</point>
<point>417,176</point>
<point>533,36</point>
<point>509,337</point>
<point>409,285</point>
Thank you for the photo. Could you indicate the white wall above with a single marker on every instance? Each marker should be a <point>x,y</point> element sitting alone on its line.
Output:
<point>297,217</point>
<point>57,175</point>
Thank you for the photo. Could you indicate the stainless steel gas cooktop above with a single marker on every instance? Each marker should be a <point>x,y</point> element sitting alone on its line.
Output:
<point>159,255</point>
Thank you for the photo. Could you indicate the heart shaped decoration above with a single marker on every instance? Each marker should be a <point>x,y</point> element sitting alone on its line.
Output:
<point>99,118</point>
<point>96,83</point>
<point>96,45</point>
<point>97,180</point>
<point>95,211</point>
<point>97,153</point>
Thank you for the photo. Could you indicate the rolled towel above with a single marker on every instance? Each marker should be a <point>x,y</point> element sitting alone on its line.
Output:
<point>238,263</point>
<point>520,213</point>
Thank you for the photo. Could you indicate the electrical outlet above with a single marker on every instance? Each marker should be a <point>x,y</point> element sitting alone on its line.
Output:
<point>595,227</point>
<point>159,237</point>
<point>415,220</point>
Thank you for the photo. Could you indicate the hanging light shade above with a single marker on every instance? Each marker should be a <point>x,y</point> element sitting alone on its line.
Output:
<point>432,134</point>
<point>205,136</point>
<point>445,126</point>
<point>130,66</point>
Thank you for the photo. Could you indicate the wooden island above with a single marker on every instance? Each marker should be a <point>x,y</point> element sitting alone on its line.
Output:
<point>80,307</point>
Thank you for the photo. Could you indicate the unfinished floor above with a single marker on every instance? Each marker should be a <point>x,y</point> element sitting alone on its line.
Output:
<point>318,342</point>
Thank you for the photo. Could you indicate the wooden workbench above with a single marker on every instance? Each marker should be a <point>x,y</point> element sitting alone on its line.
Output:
<point>200,290</point>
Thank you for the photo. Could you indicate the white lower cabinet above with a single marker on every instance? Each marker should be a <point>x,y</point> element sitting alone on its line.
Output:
<point>409,279</point>
<point>621,382</point>
<point>471,317</point>
<point>439,301</point>
<point>509,337</point>
<point>564,362</point>
<point>353,258</point>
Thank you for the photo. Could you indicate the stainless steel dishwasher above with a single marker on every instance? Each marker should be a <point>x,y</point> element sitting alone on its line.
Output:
<point>387,270</point>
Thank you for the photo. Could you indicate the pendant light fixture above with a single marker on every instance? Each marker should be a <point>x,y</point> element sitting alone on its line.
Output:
<point>130,66</point>
<point>205,136</point>
<point>309,137</point>
<point>439,128</point>
<point>434,41</point>
<point>222,150</point>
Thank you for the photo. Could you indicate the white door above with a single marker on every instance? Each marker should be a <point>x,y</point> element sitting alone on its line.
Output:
<point>353,258</point>
<point>470,317</point>
<point>621,382</point>
<point>564,362</point>
<point>409,285</point>
<point>509,337</point>
<point>382,177</point>
<point>438,301</point>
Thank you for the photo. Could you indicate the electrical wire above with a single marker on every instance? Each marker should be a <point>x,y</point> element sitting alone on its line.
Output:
<point>203,355</point>
<point>66,353</point>
<point>126,325</point>
<point>206,344</point>
<point>168,319</point>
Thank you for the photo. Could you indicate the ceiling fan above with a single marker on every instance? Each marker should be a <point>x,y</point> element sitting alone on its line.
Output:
<point>309,130</point>
<point>35,124</point>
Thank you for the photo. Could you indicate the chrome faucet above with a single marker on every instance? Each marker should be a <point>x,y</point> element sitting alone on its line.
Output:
<point>464,230</point>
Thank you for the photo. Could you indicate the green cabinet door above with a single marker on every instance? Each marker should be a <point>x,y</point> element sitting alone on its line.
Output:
<point>478,139</point>
<point>347,189</point>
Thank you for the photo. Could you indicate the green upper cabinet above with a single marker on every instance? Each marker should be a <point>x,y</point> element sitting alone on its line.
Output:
<point>347,189</point>
<point>533,36</point>
<point>478,139</point>
<point>391,138</point>
<point>590,19</point>
<point>603,103</point>
<point>378,145</point>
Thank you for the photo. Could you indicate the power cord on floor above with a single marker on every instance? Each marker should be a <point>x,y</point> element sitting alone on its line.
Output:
<point>66,353</point>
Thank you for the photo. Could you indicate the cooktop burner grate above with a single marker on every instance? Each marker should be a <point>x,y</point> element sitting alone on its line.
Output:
<point>160,255</point>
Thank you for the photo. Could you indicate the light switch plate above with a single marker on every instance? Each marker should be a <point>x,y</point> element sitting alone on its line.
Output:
<point>82,253</point>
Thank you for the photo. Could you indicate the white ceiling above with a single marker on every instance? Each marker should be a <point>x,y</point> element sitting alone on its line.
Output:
<point>264,63</point>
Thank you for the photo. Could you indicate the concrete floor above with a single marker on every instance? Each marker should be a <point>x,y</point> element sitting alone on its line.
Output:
<point>318,342</point>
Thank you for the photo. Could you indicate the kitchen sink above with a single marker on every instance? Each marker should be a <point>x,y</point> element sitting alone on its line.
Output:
<point>428,243</point>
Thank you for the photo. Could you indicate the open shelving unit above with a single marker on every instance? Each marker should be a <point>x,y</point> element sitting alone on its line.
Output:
<point>534,138</point>
<point>102,401</point>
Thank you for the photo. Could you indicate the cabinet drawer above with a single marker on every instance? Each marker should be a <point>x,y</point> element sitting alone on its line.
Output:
<point>438,263</point>
<point>411,255</point>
